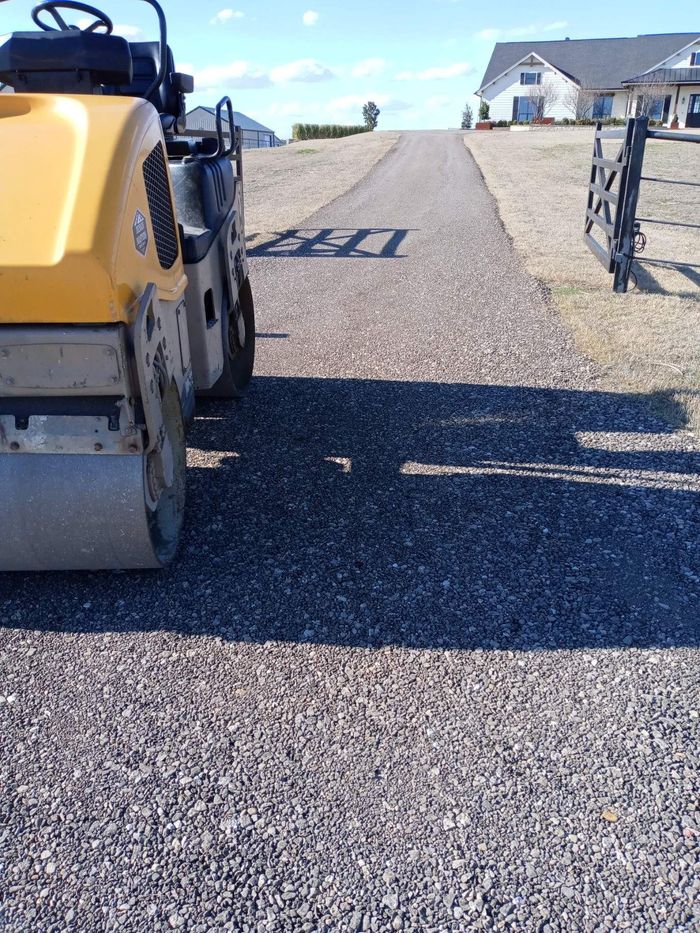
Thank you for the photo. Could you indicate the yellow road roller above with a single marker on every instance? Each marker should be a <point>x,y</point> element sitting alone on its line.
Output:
<point>124,291</point>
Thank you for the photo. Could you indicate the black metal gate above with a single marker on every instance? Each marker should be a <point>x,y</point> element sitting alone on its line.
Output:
<point>613,192</point>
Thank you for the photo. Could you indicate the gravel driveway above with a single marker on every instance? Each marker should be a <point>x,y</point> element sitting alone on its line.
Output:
<point>428,659</point>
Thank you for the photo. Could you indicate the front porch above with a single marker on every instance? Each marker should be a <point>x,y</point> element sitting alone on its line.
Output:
<point>667,91</point>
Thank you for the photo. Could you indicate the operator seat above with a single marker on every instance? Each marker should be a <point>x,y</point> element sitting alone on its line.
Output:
<point>77,62</point>
<point>169,98</point>
<point>64,62</point>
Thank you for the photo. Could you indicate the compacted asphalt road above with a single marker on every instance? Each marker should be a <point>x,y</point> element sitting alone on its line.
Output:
<point>428,657</point>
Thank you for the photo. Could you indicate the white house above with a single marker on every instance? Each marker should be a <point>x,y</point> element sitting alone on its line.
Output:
<point>656,74</point>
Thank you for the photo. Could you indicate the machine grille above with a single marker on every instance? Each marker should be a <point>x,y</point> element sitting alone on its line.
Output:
<point>155,176</point>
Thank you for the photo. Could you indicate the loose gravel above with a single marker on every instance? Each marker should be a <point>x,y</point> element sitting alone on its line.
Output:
<point>283,186</point>
<point>428,658</point>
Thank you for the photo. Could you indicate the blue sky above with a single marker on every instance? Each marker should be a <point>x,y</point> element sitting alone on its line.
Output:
<point>319,60</point>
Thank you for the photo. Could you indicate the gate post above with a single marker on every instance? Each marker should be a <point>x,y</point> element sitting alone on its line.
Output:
<point>628,204</point>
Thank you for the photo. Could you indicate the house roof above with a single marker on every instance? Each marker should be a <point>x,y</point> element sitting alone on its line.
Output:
<point>596,63</point>
<point>667,76</point>
<point>239,119</point>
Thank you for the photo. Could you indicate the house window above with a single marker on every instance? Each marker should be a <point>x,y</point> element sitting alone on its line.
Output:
<point>658,108</point>
<point>695,60</point>
<point>524,109</point>
<point>531,77</point>
<point>602,106</point>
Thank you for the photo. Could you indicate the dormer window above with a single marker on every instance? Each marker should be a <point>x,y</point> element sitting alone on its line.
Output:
<point>531,77</point>
<point>695,59</point>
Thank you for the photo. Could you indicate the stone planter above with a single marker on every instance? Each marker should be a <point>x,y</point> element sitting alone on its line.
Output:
<point>486,125</point>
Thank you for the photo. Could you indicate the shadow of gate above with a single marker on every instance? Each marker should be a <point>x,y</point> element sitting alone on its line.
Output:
<point>334,242</point>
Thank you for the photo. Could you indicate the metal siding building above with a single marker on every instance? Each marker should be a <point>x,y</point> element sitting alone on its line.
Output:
<point>254,134</point>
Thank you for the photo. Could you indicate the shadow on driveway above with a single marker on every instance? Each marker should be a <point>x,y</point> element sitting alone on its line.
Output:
<point>330,243</point>
<point>370,514</point>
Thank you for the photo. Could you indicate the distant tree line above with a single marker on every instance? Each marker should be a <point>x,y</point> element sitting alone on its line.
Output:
<point>326,130</point>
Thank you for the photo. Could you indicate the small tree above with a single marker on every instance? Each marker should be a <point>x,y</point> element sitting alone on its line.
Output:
<point>651,95</point>
<point>370,114</point>
<point>580,101</point>
<point>544,96</point>
<point>484,111</point>
<point>467,117</point>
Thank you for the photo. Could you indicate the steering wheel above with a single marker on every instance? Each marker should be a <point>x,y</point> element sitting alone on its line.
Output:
<point>53,6</point>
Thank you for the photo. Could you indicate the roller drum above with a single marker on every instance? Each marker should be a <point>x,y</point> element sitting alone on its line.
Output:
<point>75,512</point>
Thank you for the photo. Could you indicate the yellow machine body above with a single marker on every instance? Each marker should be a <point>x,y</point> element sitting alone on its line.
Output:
<point>124,294</point>
<point>73,204</point>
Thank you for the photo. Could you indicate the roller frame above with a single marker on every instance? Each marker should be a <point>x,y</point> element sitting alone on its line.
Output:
<point>75,494</point>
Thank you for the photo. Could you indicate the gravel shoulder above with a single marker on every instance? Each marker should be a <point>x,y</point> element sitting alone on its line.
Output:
<point>428,658</point>
<point>648,339</point>
<point>284,186</point>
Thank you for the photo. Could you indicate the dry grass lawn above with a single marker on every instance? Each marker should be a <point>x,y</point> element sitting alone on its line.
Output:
<point>286,185</point>
<point>649,339</point>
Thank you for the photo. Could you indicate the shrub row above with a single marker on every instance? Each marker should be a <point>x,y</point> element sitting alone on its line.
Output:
<point>609,121</point>
<point>325,131</point>
<point>589,121</point>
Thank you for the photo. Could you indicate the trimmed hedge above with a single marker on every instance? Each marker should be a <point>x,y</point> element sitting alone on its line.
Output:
<point>325,130</point>
<point>608,121</point>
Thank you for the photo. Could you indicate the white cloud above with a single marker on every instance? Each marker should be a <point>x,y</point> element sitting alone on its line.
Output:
<point>120,29</point>
<point>244,75</point>
<point>346,103</point>
<point>310,18</point>
<point>437,102</point>
<point>488,34</point>
<point>437,74</point>
<point>352,102</point>
<point>307,70</point>
<point>284,114</point>
<point>285,110</point>
<point>238,74</point>
<point>223,16</point>
<point>125,30</point>
<point>369,68</point>
<point>515,32</point>
<point>393,105</point>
